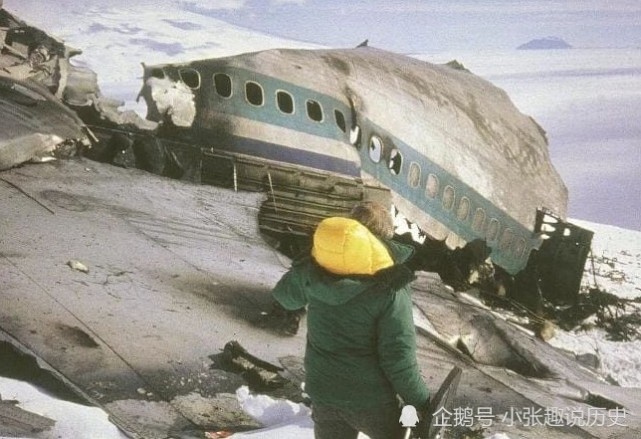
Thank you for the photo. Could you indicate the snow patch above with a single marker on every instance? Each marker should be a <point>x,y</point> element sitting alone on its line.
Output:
<point>72,420</point>
<point>269,411</point>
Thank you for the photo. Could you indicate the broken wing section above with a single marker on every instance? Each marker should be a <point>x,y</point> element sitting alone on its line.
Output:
<point>34,125</point>
<point>39,87</point>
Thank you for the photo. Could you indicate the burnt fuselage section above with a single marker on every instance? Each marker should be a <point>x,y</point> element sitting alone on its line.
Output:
<point>455,155</point>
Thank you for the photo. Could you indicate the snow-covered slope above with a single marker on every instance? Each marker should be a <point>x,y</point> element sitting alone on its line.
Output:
<point>614,267</point>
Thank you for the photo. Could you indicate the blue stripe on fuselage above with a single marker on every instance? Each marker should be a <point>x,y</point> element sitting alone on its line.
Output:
<point>287,154</point>
<point>269,112</point>
<point>434,207</point>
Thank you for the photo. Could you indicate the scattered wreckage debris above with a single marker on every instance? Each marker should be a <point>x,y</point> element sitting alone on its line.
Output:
<point>260,375</point>
<point>202,274</point>
<point>78,266</point>
<point>619,317</point>
<point>45,100</point>
<point>552,276</point>
<point>15,421</point>
<point>19,365</point>
<point>34,123</point>
<point>562,257</point>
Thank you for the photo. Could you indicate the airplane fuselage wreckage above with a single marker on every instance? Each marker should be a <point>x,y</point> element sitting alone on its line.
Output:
<point>122,284</point>
<point>321,129</point>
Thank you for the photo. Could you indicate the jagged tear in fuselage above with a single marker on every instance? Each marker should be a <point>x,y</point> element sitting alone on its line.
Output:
<point>458,158</point>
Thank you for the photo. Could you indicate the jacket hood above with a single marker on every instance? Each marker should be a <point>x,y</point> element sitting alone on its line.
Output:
<point>345,246</point>
<point>334,289</point>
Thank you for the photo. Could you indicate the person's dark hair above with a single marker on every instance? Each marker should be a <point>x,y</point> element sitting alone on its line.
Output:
<point>376,217</point>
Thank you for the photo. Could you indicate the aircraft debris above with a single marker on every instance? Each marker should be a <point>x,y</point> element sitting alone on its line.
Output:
<point>33,75</point>
<point>260,374</point>
<point>78,266</point>
<point>171,101</point>
<point>305,127</point>
<point>42,95</point>
<point>156,331</point>
<point>35,125</point>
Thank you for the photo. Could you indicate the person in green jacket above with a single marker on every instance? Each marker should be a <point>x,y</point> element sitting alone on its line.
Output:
<point>361,341</point>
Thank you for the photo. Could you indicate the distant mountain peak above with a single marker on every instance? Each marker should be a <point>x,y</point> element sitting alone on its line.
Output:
<point>545,43</point>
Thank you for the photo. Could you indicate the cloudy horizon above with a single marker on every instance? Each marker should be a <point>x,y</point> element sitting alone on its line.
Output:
<point>409,26</point>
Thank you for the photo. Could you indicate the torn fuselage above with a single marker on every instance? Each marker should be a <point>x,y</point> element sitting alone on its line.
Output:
<point>450,150</point>
<point>34,125</point>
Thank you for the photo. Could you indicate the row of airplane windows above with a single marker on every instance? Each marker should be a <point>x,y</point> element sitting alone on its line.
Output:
<point>493,231</point>
<point>255,95</point>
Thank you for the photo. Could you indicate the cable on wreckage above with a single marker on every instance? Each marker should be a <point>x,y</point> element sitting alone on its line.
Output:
<point>271,190</point>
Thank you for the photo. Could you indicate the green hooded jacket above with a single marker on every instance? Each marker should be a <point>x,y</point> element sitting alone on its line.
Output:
<point>361,340</point>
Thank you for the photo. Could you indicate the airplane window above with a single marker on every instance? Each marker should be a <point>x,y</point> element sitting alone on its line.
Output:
<point>314,111</point>
<point>432,186</point>
<point>506,239</point>
<point>463,210</point>
<point>479,220</point>
<point>222,83</point>
<point>157,73</point>
<point>493,230</point>
<point>254,93</point>
<point>340,120</point>
<point>449,196</point>
<point>395,162</point>
<point>190,77</point>
<point>285,102</point>
<point>375,149</point>
<point>414,175</point>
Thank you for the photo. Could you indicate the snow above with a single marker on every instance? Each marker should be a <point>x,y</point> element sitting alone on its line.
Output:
<point>268,411</point>
<point>282,419</point>
<point>113,45</point>
<point>617,270</point>
<point>72,420</point>
<point>617,260</point>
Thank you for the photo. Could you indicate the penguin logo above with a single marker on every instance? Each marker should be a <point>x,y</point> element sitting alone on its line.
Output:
<point>409,418</point>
